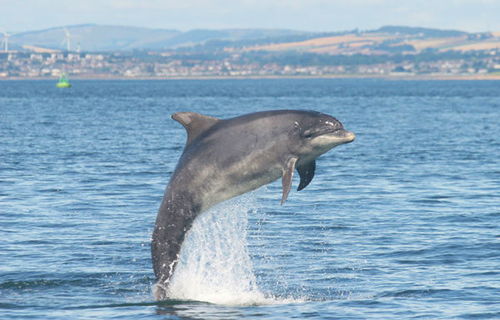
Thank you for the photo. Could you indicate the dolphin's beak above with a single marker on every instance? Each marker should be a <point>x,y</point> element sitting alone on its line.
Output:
<point>349,136</point>
<point>335,138</point>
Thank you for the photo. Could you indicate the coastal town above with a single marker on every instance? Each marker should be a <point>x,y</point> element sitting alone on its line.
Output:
<point>158,65</point>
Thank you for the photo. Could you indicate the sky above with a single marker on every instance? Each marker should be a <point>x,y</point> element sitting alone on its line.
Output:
<point>308,15</point>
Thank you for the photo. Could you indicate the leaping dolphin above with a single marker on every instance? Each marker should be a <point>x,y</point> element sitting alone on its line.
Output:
<point>226,158</point>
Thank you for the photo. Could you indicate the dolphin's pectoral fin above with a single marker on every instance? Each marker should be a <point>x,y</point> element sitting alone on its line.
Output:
<point>287,178</point>
<point>194,123</point>
<point>306,173</point>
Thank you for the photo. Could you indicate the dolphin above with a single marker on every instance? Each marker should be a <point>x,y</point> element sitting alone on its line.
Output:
<point>224,158</point>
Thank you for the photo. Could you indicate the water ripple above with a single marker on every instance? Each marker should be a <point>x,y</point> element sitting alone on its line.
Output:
<point>402,223</point>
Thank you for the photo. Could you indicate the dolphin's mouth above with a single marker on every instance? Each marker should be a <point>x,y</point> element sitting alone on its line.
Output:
<point>337,133</point>
<point>344,135</point>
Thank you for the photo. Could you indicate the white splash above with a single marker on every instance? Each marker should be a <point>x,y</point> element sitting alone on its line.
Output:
<point>215,265</point>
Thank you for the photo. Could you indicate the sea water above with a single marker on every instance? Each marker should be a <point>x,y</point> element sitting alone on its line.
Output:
<point>401,223</point>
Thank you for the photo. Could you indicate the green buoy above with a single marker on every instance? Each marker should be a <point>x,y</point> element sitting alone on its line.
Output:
<point>63,82</point>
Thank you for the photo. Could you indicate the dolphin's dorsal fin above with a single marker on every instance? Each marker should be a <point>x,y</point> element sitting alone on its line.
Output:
<point>194,123</point>
<point>306,173</point>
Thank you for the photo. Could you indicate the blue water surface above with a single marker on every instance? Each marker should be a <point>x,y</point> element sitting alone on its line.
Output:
<point>403,223</point>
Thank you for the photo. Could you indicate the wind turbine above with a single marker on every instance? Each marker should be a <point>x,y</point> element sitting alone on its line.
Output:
<point>5,41</point>
<point>67,39</point>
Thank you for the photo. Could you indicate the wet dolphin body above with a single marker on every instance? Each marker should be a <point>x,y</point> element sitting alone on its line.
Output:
<point>226,158</point>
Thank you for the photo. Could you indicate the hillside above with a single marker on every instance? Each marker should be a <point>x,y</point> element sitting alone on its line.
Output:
<point>92,38</point>
<point>385,40</point>
<point>389,40</point>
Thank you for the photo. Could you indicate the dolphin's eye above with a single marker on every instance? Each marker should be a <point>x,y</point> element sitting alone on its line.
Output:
<point>308,134</point>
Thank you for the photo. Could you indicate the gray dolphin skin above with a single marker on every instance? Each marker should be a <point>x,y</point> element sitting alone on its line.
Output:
<point>226,158</point>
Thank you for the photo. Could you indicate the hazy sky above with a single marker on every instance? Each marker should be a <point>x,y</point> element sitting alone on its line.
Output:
<point>314,15</point>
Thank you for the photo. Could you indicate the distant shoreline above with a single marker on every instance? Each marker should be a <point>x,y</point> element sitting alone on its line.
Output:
<point>352,76</point>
